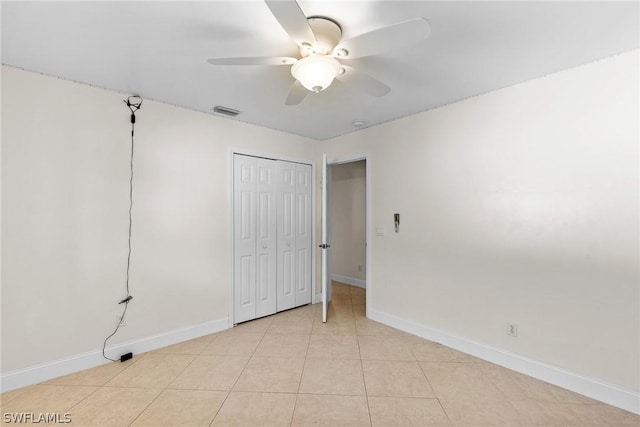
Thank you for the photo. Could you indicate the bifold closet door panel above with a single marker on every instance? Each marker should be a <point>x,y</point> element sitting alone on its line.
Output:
<point>272,236</point>
<point>303,233</point>
<point>244,263</point>
<point>266,237</point>
<point>286,235</point>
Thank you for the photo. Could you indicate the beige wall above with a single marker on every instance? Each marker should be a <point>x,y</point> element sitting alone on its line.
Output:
<point>65,183</point>
<point>521,206</point>
<point>348,220</point>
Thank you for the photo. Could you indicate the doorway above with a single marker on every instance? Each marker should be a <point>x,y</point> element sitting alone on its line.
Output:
<point>347,231</point>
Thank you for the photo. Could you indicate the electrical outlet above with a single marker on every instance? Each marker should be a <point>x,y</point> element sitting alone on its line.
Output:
<point>512,329</point>
<point>124,320</point>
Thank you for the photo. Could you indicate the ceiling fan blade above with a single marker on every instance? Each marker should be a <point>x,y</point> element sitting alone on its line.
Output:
<point>386,39</point>
<point>292,19</point>
<point>363,82</point>
<point>296,94</point>
<point>257,60</point>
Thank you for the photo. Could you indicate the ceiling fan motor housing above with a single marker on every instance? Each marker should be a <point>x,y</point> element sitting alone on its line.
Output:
<point>328,34</point>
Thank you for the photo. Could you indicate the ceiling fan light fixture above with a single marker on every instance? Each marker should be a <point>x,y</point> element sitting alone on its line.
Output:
<point>316,72</point>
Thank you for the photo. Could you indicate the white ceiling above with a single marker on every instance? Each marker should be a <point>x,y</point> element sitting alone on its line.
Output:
<point>159,50</point>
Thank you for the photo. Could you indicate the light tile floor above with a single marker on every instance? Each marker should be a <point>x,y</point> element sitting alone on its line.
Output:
<point>290,369</point>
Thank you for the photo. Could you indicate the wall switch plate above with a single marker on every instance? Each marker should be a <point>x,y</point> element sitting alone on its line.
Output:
<point>379,231</point>
<point>512,329</point>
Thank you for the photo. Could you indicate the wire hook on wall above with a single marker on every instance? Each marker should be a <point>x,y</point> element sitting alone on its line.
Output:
<point>134,102</point>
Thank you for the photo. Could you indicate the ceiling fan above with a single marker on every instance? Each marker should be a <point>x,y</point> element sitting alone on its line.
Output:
<point>323,52</point>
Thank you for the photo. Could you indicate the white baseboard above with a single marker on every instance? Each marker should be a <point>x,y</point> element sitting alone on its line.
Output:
<point>316,298</point>
<point>46,371</point>
<point>610,394</point>
<point>349,280</point>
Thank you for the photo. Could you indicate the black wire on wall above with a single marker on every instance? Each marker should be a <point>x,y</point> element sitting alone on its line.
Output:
<point>134,103</point>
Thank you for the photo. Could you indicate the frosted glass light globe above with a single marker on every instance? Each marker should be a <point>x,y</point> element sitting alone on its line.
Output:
<point>316,72</point>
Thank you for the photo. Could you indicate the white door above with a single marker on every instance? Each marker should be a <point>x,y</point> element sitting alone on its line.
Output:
<point>303,234</point>
<point>324,246</point>
<point>254,194</point>
<point>286,235</point>
<point>244,199</point>
<point>266,238</point>
<point>272,236</point>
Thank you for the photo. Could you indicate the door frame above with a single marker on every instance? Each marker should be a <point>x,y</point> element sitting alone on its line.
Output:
<point>334,161</point>
<point>231,224</point>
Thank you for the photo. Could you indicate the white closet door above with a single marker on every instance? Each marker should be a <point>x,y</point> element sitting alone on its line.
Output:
<point>303,233</point>
<point>286,287</point>
<point>244,199</point>
<point>266,251</point>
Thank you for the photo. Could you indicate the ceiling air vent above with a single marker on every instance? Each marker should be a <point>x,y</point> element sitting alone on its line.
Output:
<point>225,110</point>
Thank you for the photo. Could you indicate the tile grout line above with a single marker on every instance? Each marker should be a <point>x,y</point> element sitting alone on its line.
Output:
<point>432,389</point>
<point>81,400</point>
<point>198,354</point>
<point>146,407</point>
<point>229,391</point>
<point>364,381</point>
<point>241,372</point>
<point>97,387</point>
<point>222,403</point>
<point>424,374</point>
<point>164,389</point>
<point>304,365</point>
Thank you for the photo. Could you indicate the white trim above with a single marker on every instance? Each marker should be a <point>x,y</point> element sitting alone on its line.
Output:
<point>314,244</point>
<point>46,371</point>
<point>620,397</point>
<point>230,210</point>
<point>349,280</point>
<point>317,298</point>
